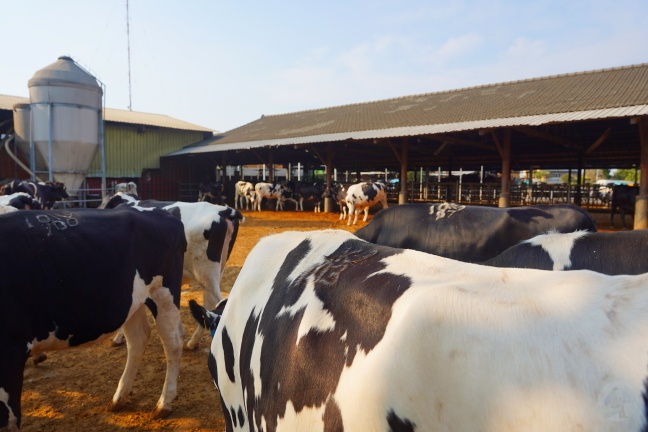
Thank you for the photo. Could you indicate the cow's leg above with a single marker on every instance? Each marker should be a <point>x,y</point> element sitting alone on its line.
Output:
<point>137,331</point>
<point>350,211</point>
<point>12,367</point>
<point>169,327</point>
<point>118,339</point>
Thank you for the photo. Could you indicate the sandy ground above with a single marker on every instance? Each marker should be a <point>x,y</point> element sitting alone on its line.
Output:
<point>72,389</point>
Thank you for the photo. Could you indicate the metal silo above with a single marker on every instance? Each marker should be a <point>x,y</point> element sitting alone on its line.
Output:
<point>66,122</point>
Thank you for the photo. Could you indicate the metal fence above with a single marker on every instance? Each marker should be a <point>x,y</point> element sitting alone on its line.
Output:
<point>587,196</point>
<point>417,192</point>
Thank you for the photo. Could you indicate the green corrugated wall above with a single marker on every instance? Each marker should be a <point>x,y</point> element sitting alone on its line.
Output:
<point>132,148</point>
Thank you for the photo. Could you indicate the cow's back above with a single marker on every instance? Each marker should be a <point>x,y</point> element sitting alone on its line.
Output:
<point>69,260</point>
<point>468,233</point>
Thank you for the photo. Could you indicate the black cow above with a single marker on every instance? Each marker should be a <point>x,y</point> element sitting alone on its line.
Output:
<point>623,199</point>
<point>71,277</point>
<point>469,233</point>
<point>611,253</point>
<point>211,192</point>
<point>46,193</point>
<point>307,191</point>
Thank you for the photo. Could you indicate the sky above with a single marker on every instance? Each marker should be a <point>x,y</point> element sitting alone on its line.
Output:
<point>223,64</point>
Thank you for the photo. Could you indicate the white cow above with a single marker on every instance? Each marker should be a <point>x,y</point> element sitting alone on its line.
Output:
<point>362,196</point>
<point>269,191</point>
<point>18,201</point>
<point>333,333</point>
<point>244,195</point>
<point>210,231</point>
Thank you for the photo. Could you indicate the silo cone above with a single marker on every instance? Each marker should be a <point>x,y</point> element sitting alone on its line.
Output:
<point>66,113</point>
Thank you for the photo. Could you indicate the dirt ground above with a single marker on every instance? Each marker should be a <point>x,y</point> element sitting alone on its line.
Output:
<point>72,389</point>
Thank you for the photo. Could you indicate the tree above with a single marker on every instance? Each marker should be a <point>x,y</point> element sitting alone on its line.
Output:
<point>627,175</point>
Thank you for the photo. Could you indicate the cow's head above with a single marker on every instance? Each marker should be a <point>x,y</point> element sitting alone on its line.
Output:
<point>207,319</point>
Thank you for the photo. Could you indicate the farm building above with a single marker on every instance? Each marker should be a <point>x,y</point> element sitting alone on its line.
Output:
<point>133,141</point>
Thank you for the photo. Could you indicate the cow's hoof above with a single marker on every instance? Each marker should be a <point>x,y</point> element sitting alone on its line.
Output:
<point>160,413</point>
<point>116,406</point>
<point>40,358</point>
<point>114,343</point>
<point>191,346</point>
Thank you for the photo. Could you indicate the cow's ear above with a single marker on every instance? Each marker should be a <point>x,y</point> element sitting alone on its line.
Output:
<point>207,319</point>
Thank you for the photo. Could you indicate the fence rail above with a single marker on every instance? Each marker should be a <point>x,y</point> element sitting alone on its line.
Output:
<point>463,193</point>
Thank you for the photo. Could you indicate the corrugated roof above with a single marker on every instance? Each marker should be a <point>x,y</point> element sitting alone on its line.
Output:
<point>603,93</point>
<point>121,116</point>
<point>217,144</point>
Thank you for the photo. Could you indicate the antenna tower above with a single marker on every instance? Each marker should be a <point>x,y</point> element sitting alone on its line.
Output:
<point>130,102</point>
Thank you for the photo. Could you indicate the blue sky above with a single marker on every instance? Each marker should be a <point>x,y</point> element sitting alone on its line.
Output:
<point>223,64</point>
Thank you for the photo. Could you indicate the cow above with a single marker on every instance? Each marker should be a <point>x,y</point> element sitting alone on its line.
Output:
<point>337,193</point>
<point>308,191</point>
<point>339,334</point>
<point>46,193</point>
<point>129,188</point>
<point>623,199</point>
<point>361,196</point>
<point>210,232</point>
<point>211,192</point>
<point>469,233</point>
<point>612,253</point>
<point>72,277</point>
<point>19,201</point>
<point>270,191</point>
<point>244,195</point>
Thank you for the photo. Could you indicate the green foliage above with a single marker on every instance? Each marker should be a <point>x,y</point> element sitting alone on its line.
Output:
<point>627,175</point>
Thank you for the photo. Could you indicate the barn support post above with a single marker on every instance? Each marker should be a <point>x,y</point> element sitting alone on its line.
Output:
<point>402,195</point>
<point>505,195</point>
<point>641,206</point>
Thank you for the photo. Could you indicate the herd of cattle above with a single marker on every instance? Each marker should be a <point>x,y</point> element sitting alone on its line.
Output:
<point>430,317</point>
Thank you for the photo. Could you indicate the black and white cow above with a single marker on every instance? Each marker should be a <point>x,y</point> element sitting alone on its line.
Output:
<point>46,193</point>
<point>71,277</point>
<point>244,195</point>
<point>211,192</point>
<point>127,187</point>
<point>612,253</point>
<point>361,196</point>
<point>469,233</point>
<point>308,191</point>
<point>623,200</point>
<point>335,333</point>
<point>270,191</point>
<point>337,193</point>
<point>19,201</point>
<point>210,232</point>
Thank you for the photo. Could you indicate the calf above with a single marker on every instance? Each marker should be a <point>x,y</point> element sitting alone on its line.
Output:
<point>76,276</point>
<point>244,195</point>
<point>270,191</point>
<point>362,196</point>
<point>210,232</point>
<point>340,334</point>
<point>469,233</point>
<point>611,253</point>
<point>623,199</point>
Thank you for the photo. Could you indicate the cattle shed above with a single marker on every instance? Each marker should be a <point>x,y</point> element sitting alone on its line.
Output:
<point>583,120</point>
